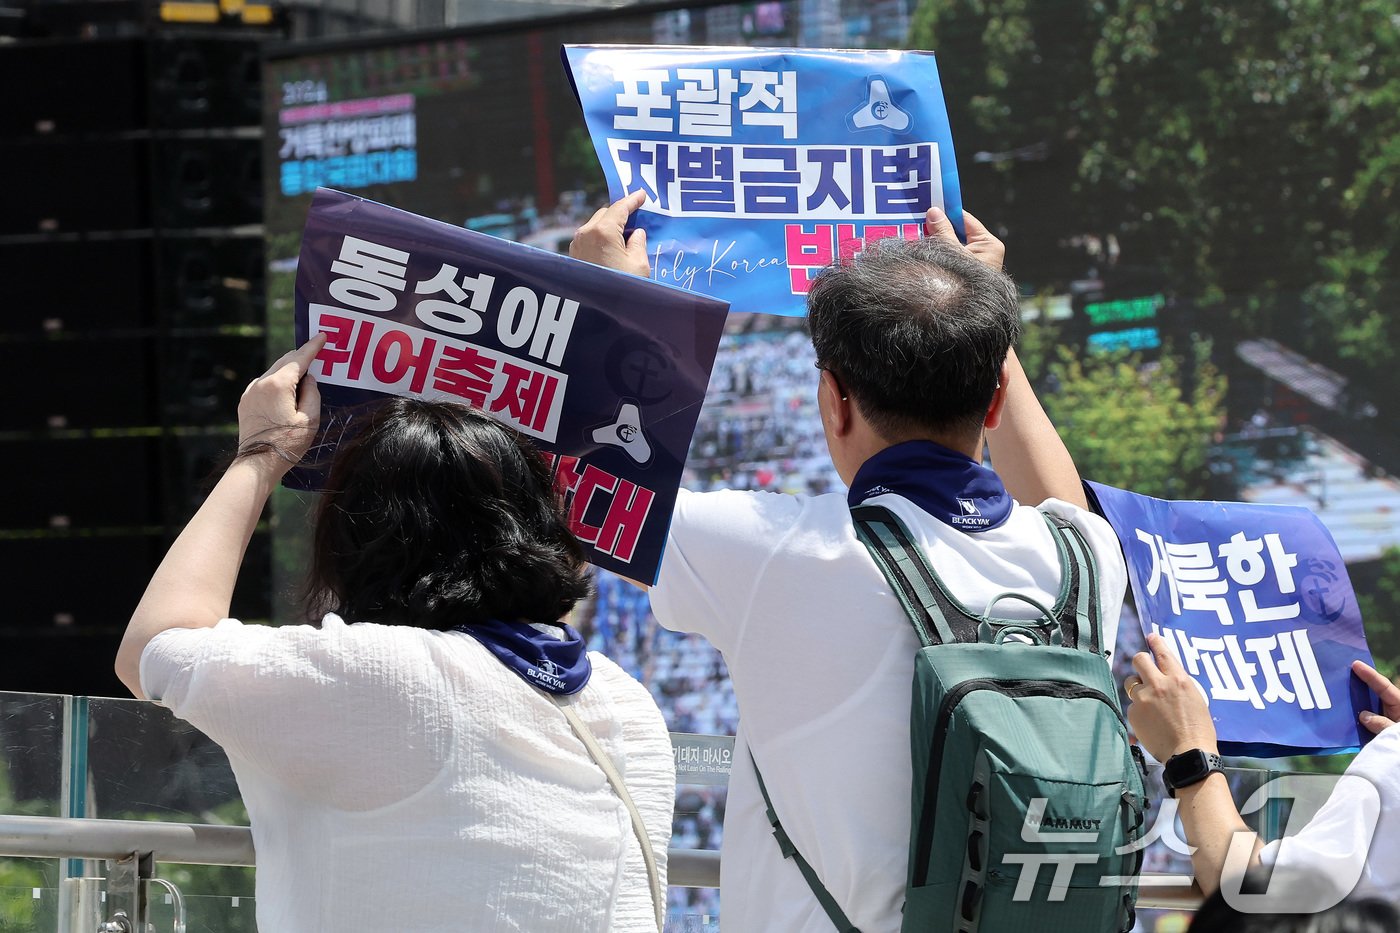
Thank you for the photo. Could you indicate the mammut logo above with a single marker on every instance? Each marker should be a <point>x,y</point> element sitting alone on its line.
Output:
<point>1068,828</point>
<point>1065,822</point>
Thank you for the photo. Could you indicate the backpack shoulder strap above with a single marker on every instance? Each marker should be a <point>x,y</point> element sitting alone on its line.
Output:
<point>1078,611</point>
<point>933,613</point>
<point>833,909</point>
<point>939,619</point>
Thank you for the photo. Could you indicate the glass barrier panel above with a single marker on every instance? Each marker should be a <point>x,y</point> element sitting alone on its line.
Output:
<point>201,899</point>
<point>32,782</point>
<point>31,753</point>
<point>703,765</point>
<point>213,913</point>
<point>143,763</point>
<point>691,922</point>
<point>140,762</point>
<point>27,908</point>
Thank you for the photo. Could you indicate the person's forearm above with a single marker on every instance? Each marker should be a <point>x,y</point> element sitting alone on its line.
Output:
<point>193,586</point>
<point>1211,820</point>
<point>1027,452</point>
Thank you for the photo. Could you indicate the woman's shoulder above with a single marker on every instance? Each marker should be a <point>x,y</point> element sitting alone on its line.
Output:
<point>625,693</point>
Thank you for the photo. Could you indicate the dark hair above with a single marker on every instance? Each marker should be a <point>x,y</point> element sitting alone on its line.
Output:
<point>916,331</point>
<point>1359,915</point>
<point>436,515</point>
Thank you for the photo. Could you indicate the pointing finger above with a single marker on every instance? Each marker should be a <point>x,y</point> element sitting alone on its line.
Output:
<point>1166,661</point>
<point>303,354</point>
<point>1386,691</point>
<point>1374,679</point>
<point>1146,668</point>
<point>623,207</point>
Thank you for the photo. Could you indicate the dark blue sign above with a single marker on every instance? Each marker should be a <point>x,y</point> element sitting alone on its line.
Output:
<point>604,371</point>
<point>1255,602</point>
<point>763,166</point>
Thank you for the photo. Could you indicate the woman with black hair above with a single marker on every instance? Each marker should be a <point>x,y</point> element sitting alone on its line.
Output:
<point>440,753</point>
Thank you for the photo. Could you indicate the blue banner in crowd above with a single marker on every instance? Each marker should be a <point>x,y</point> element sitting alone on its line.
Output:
<point>1255,602</point>
<point>763,166</point>
<point>604,371</point>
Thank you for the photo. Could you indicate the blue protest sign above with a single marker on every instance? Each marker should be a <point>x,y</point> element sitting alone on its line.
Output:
<point>763,166</point>
<point>1255,602</point>
<point>604,371</point>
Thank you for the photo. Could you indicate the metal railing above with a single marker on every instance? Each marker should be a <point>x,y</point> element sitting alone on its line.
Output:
<point>131,848</point>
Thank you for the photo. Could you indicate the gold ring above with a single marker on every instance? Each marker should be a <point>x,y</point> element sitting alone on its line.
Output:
<point>1131,687</point>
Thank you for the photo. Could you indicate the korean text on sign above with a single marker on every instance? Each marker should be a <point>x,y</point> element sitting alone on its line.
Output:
<point>755,163</point>
<point>780,181</point>
<point>1255,603</point>
<point>546,344</point>
<point>369,352</point>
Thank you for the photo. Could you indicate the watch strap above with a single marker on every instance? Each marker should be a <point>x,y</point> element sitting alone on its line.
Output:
<point>1213,763</point>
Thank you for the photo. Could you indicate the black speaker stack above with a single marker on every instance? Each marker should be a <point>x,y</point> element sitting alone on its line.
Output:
<point>131,258</point>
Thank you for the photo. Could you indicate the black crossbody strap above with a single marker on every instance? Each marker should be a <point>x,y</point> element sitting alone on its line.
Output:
<point>833,909</point>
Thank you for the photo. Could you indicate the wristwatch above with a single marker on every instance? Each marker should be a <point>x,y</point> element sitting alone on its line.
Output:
<point>1190,767</point>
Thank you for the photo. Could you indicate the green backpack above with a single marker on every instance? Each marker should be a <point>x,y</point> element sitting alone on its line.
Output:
<point>1027,794</point>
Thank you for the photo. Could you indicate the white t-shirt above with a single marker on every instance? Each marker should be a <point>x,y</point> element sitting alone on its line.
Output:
<point>403,779</point>
<point>1333,843</point>
<point>822,658</point>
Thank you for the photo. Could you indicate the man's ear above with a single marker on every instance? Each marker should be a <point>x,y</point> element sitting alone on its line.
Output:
<point>835,405</point>
<point>998,405</point>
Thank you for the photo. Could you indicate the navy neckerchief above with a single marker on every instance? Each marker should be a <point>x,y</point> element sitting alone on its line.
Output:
<point>553,664</point>
<point>952,487</point>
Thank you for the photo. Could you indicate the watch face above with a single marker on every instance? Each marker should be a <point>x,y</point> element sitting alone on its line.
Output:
<point>1186,768</point>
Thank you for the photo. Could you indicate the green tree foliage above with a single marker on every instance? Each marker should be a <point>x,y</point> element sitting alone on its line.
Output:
<point>1144,428</point>
<point>1018,79</point>
<point>1380,610</point>
<point>1249,152</point>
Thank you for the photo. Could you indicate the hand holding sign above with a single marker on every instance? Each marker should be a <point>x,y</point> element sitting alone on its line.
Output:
<point>981,242</point>
<point>1254,602</point>
<point>604,372</point>
<point>280,410</point>
<point>1388,693</point>
<point>1166,708</point>
<point>603,242</point>
<point>758,168</point>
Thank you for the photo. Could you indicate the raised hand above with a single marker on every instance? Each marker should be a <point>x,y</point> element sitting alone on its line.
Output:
<point>1389,695</point>
<point>601,241</point>
<point>1166,708</point>
<point>981,243</point>
<point>281,409</point>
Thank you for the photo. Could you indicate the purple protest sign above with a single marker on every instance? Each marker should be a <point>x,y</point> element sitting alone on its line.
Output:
<point>1255,602</point>
<point>604,371</point>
